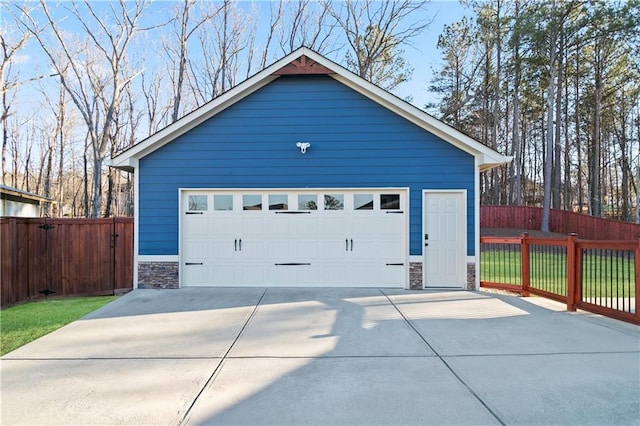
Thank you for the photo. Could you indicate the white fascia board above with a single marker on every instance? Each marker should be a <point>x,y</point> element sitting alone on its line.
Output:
<point>186,123</point>
<point>128,164</point>
<point>489,157</point>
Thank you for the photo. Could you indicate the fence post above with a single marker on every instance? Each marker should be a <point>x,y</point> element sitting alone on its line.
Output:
<point>573,284</point>
<point>525,264</point>
<point>637,270</point>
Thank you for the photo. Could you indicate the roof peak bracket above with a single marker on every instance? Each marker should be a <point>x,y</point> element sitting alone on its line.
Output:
<point>303,66</point>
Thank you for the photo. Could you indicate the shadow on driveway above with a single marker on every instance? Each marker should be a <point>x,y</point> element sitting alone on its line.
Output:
<point>327,356</point>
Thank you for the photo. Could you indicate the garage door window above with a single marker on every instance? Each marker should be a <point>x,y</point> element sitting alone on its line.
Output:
<point>223,202</point>
<point>197,202</point>
<point>307,202</point>
<point>334,202</point>
<point>278,202</point>
<point>390,201</point>
<point>363,201</point>
<point>251,202</point>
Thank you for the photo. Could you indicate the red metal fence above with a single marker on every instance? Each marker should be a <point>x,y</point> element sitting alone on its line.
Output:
<point>70,257</point>
<point>598,276</point>
<point>560,221</point>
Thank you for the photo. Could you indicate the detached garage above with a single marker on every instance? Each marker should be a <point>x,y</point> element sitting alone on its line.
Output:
<point>307,175</point>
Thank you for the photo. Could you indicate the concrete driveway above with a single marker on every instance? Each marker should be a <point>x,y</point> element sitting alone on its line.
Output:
<point>326,356</point>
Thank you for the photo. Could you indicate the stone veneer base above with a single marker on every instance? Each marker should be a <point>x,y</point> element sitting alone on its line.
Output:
<point>165,275</point>
<point>415,276</point>
<point>158,275</point>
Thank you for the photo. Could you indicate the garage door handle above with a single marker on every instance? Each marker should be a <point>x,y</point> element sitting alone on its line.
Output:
<point>240,244</point>
<point>351,245</point>
<point>346,244</point>
<point>235,245</point>
<point>292,264</point>
<point>193,263</point>
<point>398,212</point>
<point>395,264</point>
<point>293,212</point>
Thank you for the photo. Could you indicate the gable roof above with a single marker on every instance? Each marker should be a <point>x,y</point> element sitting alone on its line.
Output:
<point>306,61</point>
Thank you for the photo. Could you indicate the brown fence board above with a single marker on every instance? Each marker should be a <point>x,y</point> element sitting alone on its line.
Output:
<point>560,221</point>
<point>73,257</point>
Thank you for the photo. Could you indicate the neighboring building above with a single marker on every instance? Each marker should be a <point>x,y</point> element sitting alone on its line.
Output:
<point>307,175</point>
<point>18,203</point>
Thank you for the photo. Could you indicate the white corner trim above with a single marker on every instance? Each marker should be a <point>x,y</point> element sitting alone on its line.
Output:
<point>136,222</point>
<point>476,210</point>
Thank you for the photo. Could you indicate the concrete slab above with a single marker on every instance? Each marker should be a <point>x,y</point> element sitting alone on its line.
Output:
<point>153,323</point>
<point>562,389</point>
<point>337,322</point>
<point>100,392</point>
<point>337,391</point>
<point>472,323</point>
<point>326,356</point>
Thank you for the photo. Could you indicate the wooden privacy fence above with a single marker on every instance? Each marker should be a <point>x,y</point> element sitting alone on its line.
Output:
<point>65,257</point>
<point>597,276</point>
<point>560,221</point>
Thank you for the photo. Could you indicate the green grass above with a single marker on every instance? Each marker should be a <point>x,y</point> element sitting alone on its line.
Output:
<point>22,324</point>
<point>602,276</point>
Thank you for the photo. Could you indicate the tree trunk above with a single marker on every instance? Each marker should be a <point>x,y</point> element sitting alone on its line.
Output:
<point>595,181</point>
<point>557,149</point>
<point>548,155</point>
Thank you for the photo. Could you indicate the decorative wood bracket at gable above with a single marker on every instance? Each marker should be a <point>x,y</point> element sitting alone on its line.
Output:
<point>303,65</point>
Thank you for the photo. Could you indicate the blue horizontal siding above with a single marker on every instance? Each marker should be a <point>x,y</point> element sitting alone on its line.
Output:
<point>354,143</point>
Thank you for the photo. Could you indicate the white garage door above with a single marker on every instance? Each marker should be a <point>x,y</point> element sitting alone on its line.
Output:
<point>353,238</point>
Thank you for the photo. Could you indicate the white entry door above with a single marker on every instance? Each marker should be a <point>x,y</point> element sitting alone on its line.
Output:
<point>327,237</point>
<point>444,239</point>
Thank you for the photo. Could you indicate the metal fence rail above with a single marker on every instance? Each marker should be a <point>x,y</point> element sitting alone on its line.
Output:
<point>608,278</point>
<point>597,276</point>
<point>548,270</point>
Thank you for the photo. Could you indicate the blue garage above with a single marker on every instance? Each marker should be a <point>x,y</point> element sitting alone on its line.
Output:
<point>307,175</point>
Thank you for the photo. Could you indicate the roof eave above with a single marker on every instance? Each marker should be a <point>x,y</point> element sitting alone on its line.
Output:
<point>487,157</point>
<point>488,165</point>
<point>416,115</point>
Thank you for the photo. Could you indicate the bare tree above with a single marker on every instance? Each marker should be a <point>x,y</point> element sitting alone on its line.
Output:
<point>8,81</point>
<point>222,42</point>
<point>307,23</point>
<point>376,32</point>
<point>98,72</point>
<point>186,25</point>
<point>275,20</point>
<point>53,141</point>
<point>157,114</point>
<point>12,42</point>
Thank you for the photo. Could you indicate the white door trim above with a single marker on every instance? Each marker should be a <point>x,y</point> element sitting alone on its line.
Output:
<point>463,243</point>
